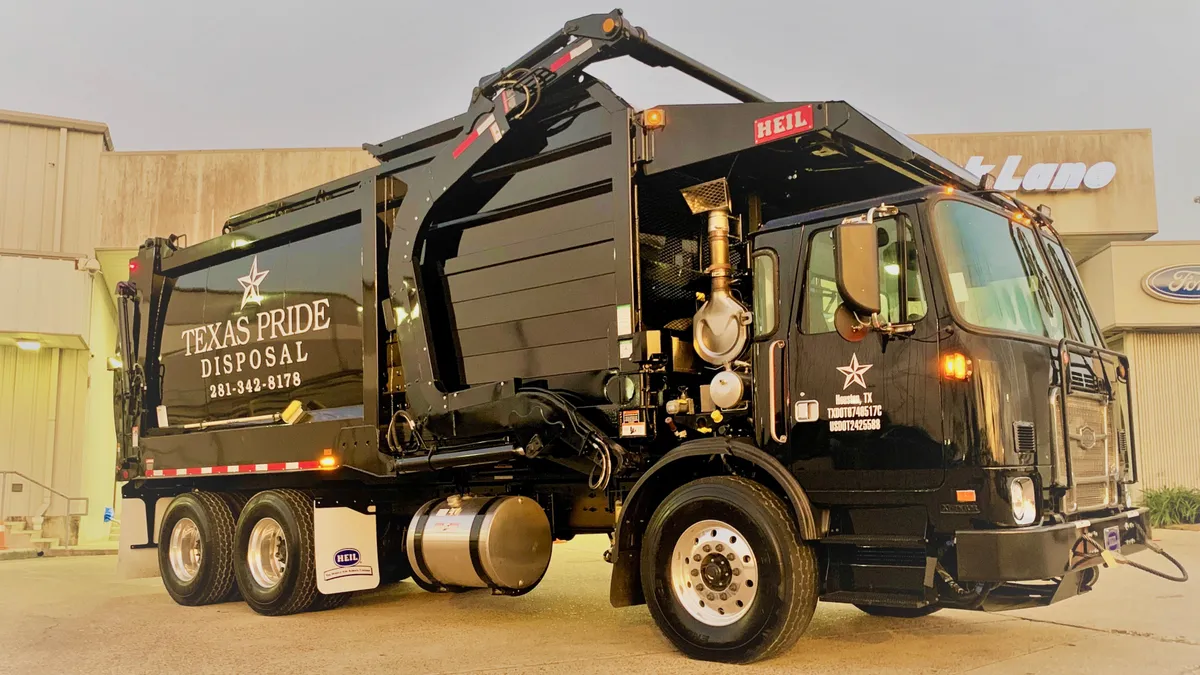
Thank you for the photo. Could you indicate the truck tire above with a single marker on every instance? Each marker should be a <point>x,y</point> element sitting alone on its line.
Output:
<point>276,572</point>
<point>236,501</point>
<point>195,555</point>
<point>898,612</point>
<point>323,602</point>
<point>725,573</point>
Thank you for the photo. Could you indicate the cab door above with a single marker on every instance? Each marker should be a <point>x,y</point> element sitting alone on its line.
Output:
<point>864,405</point>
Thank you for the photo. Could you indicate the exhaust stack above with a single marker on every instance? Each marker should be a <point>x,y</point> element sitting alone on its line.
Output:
<point>719,327</point>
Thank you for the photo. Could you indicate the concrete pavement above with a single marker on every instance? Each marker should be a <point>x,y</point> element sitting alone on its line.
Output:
<point>72,615</point>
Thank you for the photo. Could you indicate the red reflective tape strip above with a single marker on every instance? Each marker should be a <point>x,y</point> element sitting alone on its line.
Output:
<point>573,54</point>
<point>475,133</point>
<point>466,142</point>
<point>235,468</point>
<point>560,62</point>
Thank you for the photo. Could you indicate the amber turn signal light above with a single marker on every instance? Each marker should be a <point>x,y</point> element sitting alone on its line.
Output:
<point>956,366</point>
<point>654,118</point>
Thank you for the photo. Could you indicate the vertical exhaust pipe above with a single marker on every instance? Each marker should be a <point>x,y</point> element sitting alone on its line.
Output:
<point>719,331</point>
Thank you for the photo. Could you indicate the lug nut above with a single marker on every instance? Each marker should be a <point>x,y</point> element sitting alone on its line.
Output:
<point>724,596</point>
<point>707,548</point>
<point>696,557</point>
<point>720,547</point>
<point>711,597</point>
<point>737,571</point>
<point>699,588</point>
<point>695,573</point>
<point>733,587</point>
<point>731,557</point>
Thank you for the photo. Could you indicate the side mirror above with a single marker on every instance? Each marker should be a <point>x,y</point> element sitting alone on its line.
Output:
<point>857,247</point>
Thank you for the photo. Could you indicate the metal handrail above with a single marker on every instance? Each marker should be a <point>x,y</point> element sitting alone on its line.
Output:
<point>1067,347</point>
<point>4,473</point>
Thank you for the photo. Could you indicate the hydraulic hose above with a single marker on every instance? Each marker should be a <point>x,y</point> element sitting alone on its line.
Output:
<point>1122,560</point>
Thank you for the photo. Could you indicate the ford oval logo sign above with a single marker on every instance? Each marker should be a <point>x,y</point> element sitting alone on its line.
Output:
<point>1177,283</point>
<point>346,557</point>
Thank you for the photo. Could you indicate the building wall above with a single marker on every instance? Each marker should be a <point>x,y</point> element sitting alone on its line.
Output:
<point>1124,209</point>
<point>146,194</point>
<point>42,406</point>
<point>1114,281</point>
<point>98,448</point>
<point>1166,406</point>
<point>31,285</point>
<point>49,185</point>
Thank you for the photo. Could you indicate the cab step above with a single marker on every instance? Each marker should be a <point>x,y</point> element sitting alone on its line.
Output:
<point>880,540</point>
<point>876,599</point>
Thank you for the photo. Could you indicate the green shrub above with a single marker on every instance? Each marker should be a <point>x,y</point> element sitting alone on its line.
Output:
<point>1170,506</point>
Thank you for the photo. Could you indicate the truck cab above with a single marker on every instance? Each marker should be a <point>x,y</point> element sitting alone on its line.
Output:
<point>940,408</point>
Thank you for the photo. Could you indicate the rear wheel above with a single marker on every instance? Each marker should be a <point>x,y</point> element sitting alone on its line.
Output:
<point>195,552</point>
<point>724,572</point>
<point>898,612</point>
<point>275,568</point>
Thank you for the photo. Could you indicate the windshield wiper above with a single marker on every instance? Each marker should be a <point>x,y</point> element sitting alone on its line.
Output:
<point>1029,263</point>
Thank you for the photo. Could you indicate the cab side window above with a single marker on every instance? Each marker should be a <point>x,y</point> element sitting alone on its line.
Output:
<point>901,285</point>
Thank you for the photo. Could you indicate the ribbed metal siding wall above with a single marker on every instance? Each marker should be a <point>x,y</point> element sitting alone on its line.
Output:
<point>1166,370</point>
<point>49,189</point>
<point>42,398</point>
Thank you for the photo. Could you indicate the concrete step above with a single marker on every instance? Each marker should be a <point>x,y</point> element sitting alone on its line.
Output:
<point>44,543</point>
<point>19,553</point>
<point>21,539</point>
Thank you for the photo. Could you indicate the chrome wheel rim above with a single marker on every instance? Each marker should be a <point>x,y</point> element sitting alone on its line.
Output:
<point>714,573</point>
<point>184,550</point>
<point>266,555</point>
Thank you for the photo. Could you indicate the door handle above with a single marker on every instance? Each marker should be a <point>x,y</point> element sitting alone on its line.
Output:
<point>771,402</point>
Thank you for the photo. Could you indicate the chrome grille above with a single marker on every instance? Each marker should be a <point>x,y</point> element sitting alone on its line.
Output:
<point>1082,379</point>
<point>1092,494</point>
<point>1092,442</point>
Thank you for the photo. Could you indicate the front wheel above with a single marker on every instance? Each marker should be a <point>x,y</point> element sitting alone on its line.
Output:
<point>725,574</point>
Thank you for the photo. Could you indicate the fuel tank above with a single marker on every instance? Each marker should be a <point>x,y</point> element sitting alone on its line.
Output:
<point>502,543</point>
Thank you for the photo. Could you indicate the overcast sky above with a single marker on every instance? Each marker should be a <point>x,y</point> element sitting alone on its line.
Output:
<point>289,73</point>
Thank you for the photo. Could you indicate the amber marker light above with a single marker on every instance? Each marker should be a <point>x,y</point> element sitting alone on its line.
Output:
<point>949,190</point>
<point>328,461</point>
<point>956,366</point>
<point>654,118</point>
<point>964,496</point>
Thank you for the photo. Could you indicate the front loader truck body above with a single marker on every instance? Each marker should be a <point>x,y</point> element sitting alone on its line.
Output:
<point>779,352</point>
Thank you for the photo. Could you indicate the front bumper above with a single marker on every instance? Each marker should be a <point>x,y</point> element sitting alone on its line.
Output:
<point>1046,552</point>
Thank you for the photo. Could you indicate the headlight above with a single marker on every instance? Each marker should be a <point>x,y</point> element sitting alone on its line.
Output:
<point>1024,503</point>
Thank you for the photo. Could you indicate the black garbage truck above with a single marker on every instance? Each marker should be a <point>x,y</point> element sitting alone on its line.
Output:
<point>778,351</point>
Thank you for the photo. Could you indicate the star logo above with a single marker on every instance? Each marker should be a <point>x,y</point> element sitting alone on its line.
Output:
<point>854,372</point>
<point>250,284</point>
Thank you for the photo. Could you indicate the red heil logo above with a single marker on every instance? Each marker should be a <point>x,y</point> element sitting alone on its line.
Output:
<point>788,123</point>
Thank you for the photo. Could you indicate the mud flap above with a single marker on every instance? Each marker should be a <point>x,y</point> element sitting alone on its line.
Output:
<point>137,550</point>
<point>346,550</point>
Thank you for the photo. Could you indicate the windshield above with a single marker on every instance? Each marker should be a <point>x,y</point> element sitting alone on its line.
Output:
<point>998,278</point>
<point>1060,262</point>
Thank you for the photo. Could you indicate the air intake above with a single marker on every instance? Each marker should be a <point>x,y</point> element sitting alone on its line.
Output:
<point>1024,438</point>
